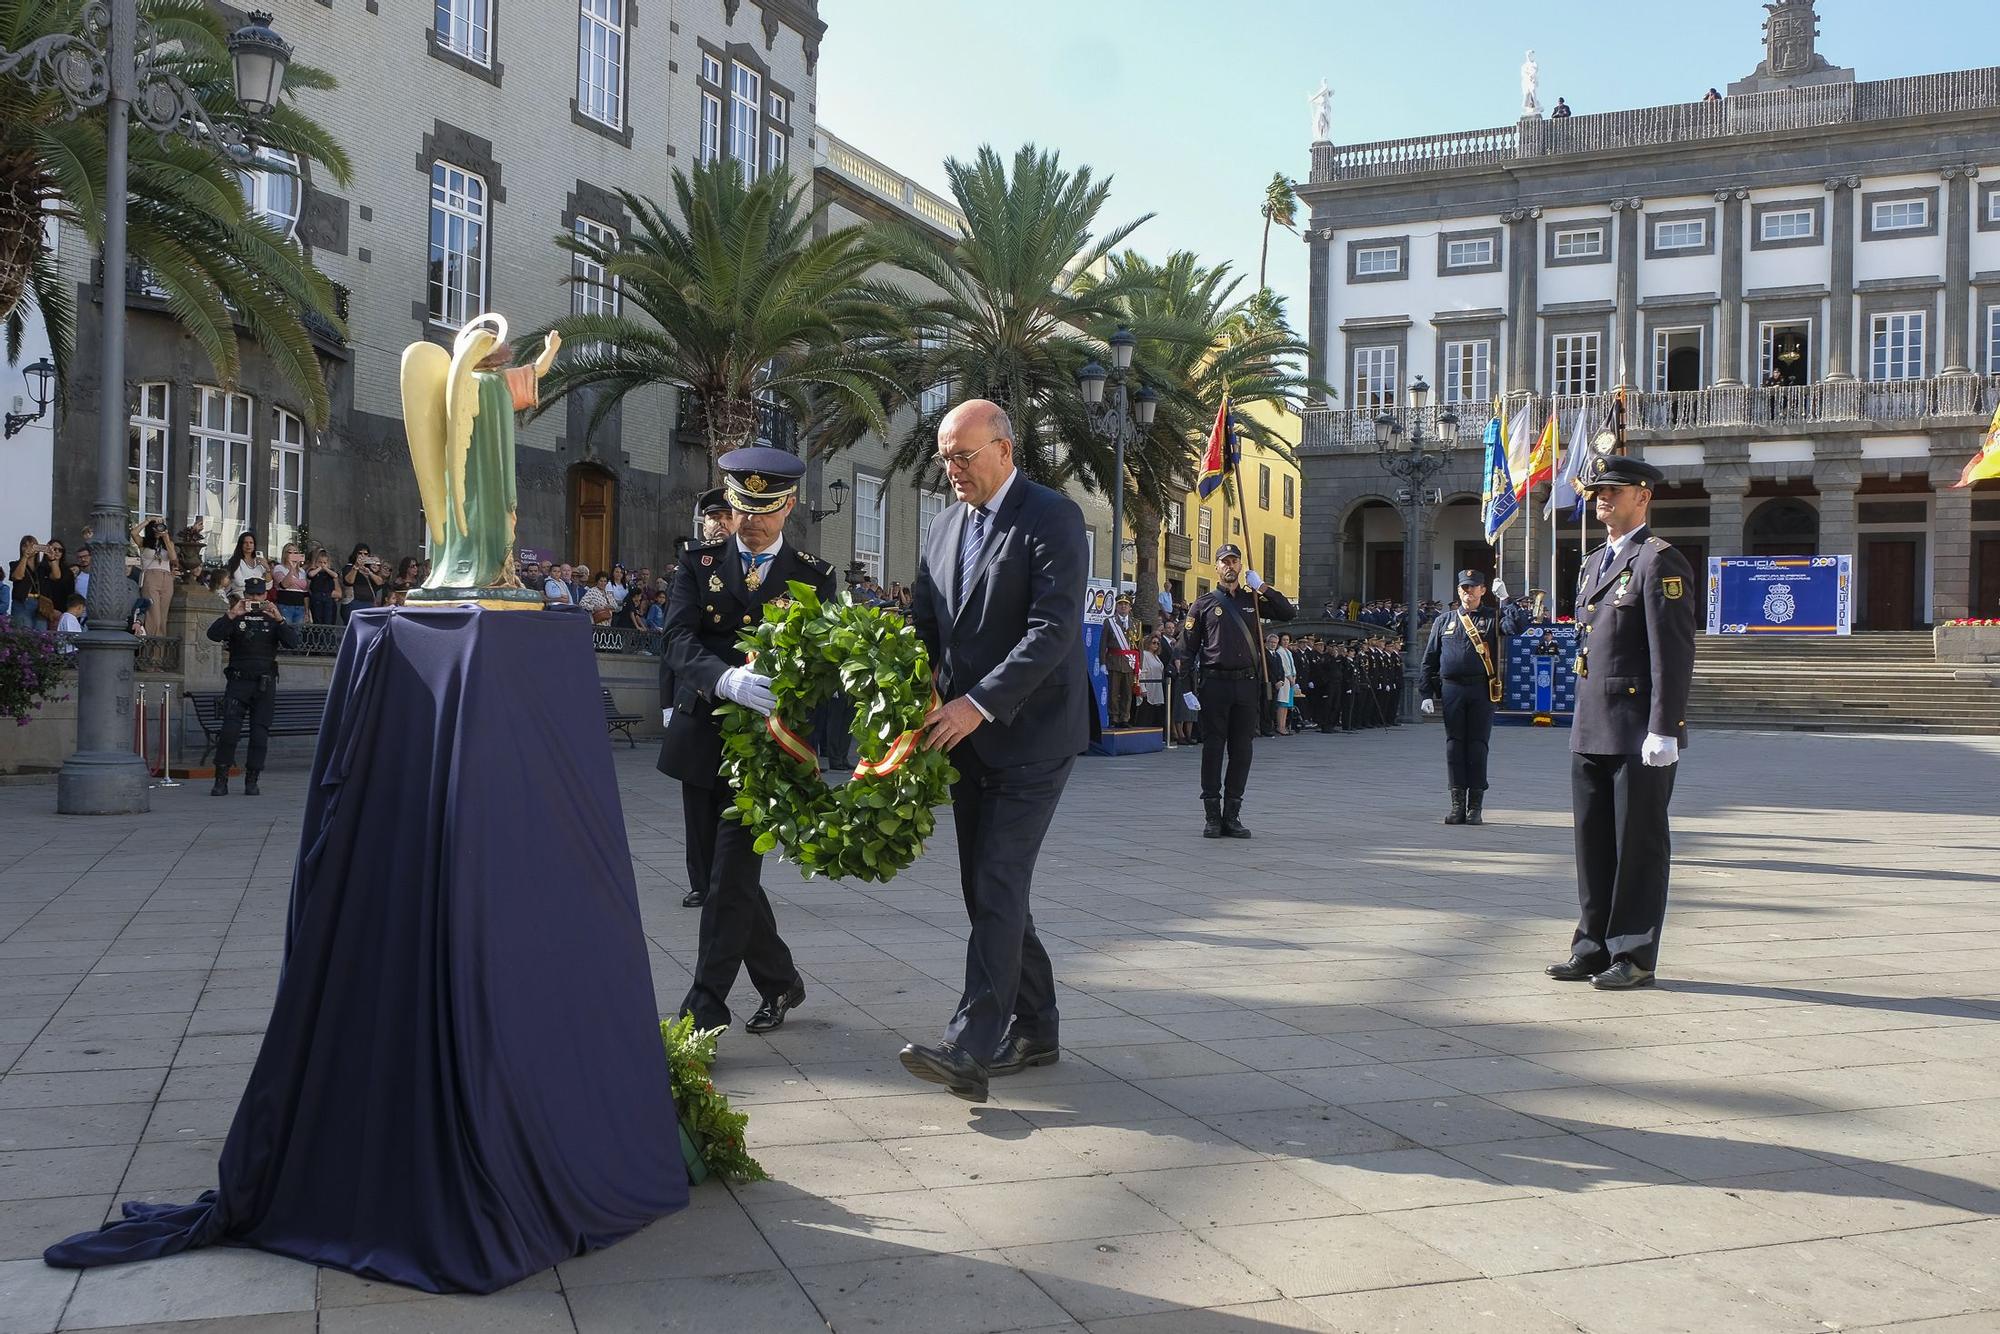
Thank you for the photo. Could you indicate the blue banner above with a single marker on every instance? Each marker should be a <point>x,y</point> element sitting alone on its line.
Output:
<point>1538,674</point>
<point>1097,605</point>
<point>1780,595</point>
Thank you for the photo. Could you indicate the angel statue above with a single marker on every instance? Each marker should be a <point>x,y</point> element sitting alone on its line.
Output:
<point>1322,104</point>
<point>1531,79</point>
<point>458,411</point>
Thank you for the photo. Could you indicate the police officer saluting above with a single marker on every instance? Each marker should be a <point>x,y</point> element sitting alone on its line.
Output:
<point>1462,666</point>
<point>250,633</point>
<point>1221,635</point>
<point>1634,664</point>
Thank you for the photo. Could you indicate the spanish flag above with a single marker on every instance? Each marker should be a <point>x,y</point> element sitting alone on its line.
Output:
<point>1222,454</point>
<point>1541,462</point>
<point>1986,463</point>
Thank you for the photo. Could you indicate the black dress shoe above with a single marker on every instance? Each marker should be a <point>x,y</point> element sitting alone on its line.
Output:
<point>1017,1053</point>
<point>692,899</point>
<point>947,1065</point>
<point>1623,976</point>
<point>772,1013</point>
<point>1572,969</point>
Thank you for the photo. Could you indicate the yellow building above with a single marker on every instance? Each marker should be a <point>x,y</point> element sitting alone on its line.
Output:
<point>1195,529</point>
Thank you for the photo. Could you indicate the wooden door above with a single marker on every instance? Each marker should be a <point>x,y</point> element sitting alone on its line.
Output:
<point>1385,574</point>
<point>590,519</point>
<point>1986,580</point>
<point>1892,584</point>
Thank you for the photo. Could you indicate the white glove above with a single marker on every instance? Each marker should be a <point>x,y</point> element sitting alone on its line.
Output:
<point>666,716</point>
<point>1500,589</point>
<point>745,687</point>
<point>1253,579</point>
<point>1659,751</point>
<point>1429,708</point>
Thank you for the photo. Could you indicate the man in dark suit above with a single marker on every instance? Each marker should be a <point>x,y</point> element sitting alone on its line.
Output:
<point>718,522</point>
<point>999,604</point>
<point>718,589</point>
<point>1634,665</point>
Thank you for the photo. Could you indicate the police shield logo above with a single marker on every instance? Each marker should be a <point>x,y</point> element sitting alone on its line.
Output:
<point>1779,604</point>
<point>1672,586</point>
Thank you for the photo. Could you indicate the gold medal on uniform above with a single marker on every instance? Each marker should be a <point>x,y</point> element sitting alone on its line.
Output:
<point>754,579</point>
<point>715,583</point>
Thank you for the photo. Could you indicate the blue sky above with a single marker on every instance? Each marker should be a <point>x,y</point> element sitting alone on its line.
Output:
<point>1192,104</point>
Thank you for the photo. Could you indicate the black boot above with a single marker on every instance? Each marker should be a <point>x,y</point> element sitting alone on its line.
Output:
<point>221,788</point>
<point>1232,827</point>
<point>1474,799</point>
<point>1212,805</point>
<point>250,783</point>
<point>1457,815</point>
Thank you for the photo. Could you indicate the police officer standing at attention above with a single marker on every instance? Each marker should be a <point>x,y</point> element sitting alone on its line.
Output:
<point>718,522</point>
<point>718,589</point>
<point>1462,666</point>
<point>250,633</point>
<point>1221,634</point>
<point>1634,665</point>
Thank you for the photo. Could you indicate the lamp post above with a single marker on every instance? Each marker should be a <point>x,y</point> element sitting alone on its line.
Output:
<point>114,63</point>
<point>838,490</point>
<point>1413,460</point>
<point>1124,421</point>
<point>39,377</point>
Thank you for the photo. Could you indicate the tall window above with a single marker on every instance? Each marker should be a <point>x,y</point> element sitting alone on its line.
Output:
<point>592,290</point>
<point>930,504</point>
<point>711,127</point>
<point>746,98</point>
<point>271,189</point>
<point>1176,516</point>
<point>1468,371</point>
<point>146,479</point>
<point>1575,369</point>
<point>466,27</point>
<point>777,112</point>
<point>458,245</point>
<point>1290,495</point>
<point>774,150</point>
<point>219,465</point>
<point>1204,534</point>
<point>600,61</point>
<point>1896,346</point>
<point>1677,358</point>
<point>932,399</point>
<point>1270,570</point>
<point>1375,373</point>
<point>288,480</point>
<point>1263,486</point>
<point>869,521</point>
<point>1993,336</point>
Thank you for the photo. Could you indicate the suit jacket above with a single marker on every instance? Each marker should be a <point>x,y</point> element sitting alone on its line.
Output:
<point>707,609</point>
<point>1016,645</point>
<point>1635,647</point>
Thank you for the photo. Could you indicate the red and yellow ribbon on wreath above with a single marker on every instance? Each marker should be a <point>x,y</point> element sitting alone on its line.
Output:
<point>801,750</point>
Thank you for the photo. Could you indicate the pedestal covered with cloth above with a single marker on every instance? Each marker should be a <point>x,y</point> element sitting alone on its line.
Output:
<point>462,1082</point>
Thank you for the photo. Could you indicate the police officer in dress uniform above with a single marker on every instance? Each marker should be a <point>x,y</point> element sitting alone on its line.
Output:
<point>719,588</point>
<point>250,633</point>
<point>718,522</point>
<point>1462,672</point>
<point>1222,640</point>
<point>1634,664</point>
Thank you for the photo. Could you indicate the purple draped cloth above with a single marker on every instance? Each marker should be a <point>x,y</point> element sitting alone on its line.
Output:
<point>462,1082</point>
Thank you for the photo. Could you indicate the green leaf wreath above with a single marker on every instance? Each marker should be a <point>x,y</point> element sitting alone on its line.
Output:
<point>874,825</point>
<point>705,1114</point>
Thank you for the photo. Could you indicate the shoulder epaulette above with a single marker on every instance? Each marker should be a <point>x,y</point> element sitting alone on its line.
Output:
<point>1656,543</point>
<point>815,561</point>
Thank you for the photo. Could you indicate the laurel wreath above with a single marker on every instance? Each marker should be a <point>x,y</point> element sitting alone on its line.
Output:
<point>874,825</point>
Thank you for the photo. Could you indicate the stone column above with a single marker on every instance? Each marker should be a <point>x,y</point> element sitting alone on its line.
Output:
<point>1524,265</point>
<point>1840,311</point>
<point>1726,478</point>
<point>1957,266</point>
<point>1836,474</point>
<point>1320,316</point>
<point>1951,538</point>
<point>1729,316</point>
<point>1625,323</point>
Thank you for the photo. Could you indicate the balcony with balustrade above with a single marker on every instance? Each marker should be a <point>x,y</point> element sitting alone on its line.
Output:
<point>886,183</point>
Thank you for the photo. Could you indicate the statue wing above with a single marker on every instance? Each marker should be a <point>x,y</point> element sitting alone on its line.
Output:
<point>461,401</point>
<point>425,369</point>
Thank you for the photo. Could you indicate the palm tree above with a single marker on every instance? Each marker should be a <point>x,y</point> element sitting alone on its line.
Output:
<point>1016,295</point>
<point>1196,341</point>
<point>188,224</point>
<point>1282,207</point>
<point>744,307</point>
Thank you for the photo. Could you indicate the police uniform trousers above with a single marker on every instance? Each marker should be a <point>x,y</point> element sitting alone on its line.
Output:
<point>738,929</point>
<point>254,698</point>
<point>1468,733</point>
<point>1622,850</point>
<point>1230,703</point>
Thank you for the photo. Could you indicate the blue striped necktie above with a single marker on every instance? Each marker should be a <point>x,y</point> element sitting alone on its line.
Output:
<point>969,547</point>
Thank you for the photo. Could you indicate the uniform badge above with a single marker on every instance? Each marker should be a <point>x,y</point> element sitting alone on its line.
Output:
<point>1215,612</point>
<point>1672,586</point>
<point>715,583</point>
<point>708,560</point>
<point>1190,622</point>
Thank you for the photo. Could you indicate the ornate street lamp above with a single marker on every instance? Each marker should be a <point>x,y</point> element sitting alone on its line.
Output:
<point>838,490</point>
<point>1407,455</point>
<point>40,376</point>
<point>115,63</point>
<point>1125,421</point>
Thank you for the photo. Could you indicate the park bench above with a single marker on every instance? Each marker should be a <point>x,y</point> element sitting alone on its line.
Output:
<point>614,721</point>
<point>296,713</point>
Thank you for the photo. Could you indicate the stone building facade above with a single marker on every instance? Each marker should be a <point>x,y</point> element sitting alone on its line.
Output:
<point>1796,285</point>
<point>478,130</point>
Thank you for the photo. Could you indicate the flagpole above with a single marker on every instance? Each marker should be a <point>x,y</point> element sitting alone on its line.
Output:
<point>1235,460</point>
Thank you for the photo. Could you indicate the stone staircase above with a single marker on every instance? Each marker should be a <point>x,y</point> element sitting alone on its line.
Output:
<point>1865,682</point>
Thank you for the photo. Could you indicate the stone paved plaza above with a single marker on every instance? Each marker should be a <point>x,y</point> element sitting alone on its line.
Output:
<point>1314,1081</point>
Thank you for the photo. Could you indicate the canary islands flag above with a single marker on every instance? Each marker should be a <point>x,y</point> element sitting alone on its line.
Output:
<point>1498,507</point>
<point>1986,463</point>
<point>1220,461</point>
